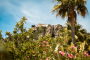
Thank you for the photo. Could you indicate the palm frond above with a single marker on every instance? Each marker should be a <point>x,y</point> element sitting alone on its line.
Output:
<point>83,2</point>
<point>82,10</point>
<point>63,12</point>
<point>56,7</point>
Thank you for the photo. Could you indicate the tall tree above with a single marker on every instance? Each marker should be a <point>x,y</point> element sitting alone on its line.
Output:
<point>80,33</point>
<point>70,9</point>
<point>19,31</point>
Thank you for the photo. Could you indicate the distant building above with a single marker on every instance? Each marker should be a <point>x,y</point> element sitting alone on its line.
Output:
<point>34,27</point>
<point>44,25</point>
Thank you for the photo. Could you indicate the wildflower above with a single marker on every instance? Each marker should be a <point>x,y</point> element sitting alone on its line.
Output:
<point>44,51</point>
<point>48,45</point>
<point>44,41</point>
<point>70,55</point>
<point>62,53</point>
<point>40,59</point>
<point>33,51</point>
<point>85,53</point>
<point>72,47</point>
<point>28,56</point>
<point>66,40</point>
<point>46,58</point>
<point>39,45</point>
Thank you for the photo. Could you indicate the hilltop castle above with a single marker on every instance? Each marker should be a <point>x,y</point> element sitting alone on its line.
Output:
<point>48,29</point>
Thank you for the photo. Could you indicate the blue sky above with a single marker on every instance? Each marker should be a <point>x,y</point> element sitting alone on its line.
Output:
<point>36,11</point>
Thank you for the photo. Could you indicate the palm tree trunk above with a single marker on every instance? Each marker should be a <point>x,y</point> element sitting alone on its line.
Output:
<point>73,31</point>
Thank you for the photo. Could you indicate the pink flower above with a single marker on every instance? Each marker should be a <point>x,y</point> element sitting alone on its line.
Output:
<point>44,41</point>
<point>39,45</point>
<point>85,53</point>
<point>33,51</point>
<point>62,53</point>
<point>59,44</point>
<point>43,45</point>
<point>40,59</point>
<point>48,45</point>
<point>46,58</point>
<point>28,56</point>
<point>70,55</point>
<point>44,51</point>
<point>66,40</point>
<point>72,47</point>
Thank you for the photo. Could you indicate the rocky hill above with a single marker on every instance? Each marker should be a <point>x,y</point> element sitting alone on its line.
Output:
<point>45,29</point>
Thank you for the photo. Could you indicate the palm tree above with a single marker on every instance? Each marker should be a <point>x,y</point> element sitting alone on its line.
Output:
<point>80,33</point>
<point>70,9</point>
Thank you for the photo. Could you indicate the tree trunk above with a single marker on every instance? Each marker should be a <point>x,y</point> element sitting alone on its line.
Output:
<point>73,31</point>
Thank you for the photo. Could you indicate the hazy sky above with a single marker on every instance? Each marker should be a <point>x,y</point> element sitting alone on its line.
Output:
<point>36,11</point>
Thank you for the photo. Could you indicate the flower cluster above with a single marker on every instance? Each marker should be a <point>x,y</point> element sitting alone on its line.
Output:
<point>44,51</point>
<point>62,53</point>
<point>46,58</point>
<point>72,48</point>
<point>85,54</point>
<point>70,55</point>
<point>45,43</point>
<point>66,40</point>
<point>44,48</point>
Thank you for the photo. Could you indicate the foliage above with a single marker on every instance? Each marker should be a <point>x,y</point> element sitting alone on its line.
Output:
<point>22,46</point>
<point>80,34</point>
<point>70,9</point>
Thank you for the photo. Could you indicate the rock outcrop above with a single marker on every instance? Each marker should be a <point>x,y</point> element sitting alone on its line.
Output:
<point>49,29</point>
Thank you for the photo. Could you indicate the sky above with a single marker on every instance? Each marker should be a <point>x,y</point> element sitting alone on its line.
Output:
<point>36,11</point>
